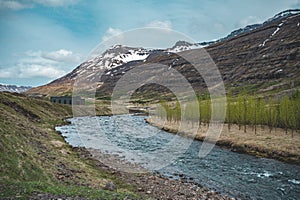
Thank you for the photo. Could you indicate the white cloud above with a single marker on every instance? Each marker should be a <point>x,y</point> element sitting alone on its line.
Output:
<point>110,33</point>
<point>24,70</point>
<point>62,55</point>
<point>249,20</point>
<point>34,70</point>
<point>6,73</point>
<point>13,5</point>
<point>41,64</point>
<point>56,3</point>
<point>126,38</point>
<point>33,53</point>
<point>19,5</point>
<point>160,24</point>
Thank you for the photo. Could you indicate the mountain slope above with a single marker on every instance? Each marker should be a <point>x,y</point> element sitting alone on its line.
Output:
<point>36,160</point>
<point>259,58</point>
<point>266,56</point>
<point>265,60</point>
<point>111,58</point>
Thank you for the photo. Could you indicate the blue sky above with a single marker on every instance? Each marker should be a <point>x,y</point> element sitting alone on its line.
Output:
<point>42,40</point>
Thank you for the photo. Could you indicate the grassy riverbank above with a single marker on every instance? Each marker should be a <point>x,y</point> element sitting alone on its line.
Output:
<point>276,144</point>
<point>36,161</point>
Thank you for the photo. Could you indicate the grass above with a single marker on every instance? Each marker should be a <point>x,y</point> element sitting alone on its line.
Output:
<point>276,144</point>
<point>242,110</point>
<point>35,158</point>
<point>24,190</point>
<point>245,116</point>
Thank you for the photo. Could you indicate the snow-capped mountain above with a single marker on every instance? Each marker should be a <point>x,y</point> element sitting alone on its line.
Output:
<point>283,14</point>
<point>14,88</point>
<point>184,46</point>
<point>256,53</point>
<point>113,57</point>
<point>119,55</point>
<point>249,28</point>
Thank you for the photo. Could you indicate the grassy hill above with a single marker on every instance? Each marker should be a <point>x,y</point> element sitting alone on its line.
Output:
<point>35,160</point>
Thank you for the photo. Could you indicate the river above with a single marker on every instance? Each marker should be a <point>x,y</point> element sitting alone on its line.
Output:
<point>238,175</point>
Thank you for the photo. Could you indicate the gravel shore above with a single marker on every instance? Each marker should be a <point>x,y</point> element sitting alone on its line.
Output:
<point>149,185</point>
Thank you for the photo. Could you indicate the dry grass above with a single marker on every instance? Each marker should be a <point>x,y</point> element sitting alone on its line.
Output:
<point>275,144</point>
<point>53,89</point>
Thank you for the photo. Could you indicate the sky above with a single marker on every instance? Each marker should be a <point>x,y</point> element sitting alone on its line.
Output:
<point>41,40</point>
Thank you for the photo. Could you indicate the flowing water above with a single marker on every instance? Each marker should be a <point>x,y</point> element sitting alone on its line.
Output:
<point>234,174</point>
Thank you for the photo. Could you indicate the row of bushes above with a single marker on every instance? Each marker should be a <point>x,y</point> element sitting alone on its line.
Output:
<point>242,110</point>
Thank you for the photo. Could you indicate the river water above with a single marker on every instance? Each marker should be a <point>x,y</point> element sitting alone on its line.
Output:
<point>238,175</point>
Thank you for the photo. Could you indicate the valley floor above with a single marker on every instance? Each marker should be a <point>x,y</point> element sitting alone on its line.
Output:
<point>36,162</point>
<point>275,144</point>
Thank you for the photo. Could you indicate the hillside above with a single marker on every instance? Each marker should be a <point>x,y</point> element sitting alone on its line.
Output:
<point>35,160</point>
<point>266,58</point>
<point>260,58</point>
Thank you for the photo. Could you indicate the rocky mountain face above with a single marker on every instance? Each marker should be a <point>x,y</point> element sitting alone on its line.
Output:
<point>252,27</point>
<point>266,57</point>
<point>260,58</point>
<point>14,88</point>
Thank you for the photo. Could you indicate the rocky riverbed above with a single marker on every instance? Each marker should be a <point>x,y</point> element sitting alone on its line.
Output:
<point>153,186</point>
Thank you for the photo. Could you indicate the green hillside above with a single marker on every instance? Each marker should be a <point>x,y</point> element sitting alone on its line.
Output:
<point>35,160</point>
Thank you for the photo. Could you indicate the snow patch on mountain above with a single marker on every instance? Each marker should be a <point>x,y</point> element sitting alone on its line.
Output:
<point>272,35</point>
<point>113,57</point>
<point>284,14</point>
<point>183,46</point>
<point>14,88</point>
<point>118,55</point>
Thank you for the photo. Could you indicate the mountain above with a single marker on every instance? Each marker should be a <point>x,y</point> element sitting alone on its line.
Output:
<point>115,56</point>
<point>183,46</point>
<point>111,58</point>
<point>14,88</point>
<point>261,58</point>
<point>252,27</point>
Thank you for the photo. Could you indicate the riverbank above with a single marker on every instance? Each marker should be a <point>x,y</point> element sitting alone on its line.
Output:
<point>37,163</point>
<point>276,144</point>
<point>149,185</point>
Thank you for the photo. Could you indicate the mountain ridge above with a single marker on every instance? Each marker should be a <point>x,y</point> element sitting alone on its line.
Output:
<point>238,49</point>
<point>14,88</point>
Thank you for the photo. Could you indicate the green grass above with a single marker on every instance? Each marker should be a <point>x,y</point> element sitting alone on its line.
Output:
<point>242,110</point>
<point>25,190</point>
<point>36,159</point>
